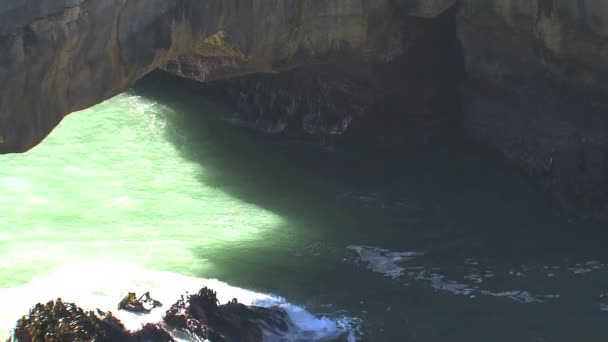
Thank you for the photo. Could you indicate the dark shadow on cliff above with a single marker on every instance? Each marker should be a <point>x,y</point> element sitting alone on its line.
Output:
<point>451,200</point>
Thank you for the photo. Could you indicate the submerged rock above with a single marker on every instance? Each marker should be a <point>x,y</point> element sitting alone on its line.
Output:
<point>201,314</point>
<point>58,321</point>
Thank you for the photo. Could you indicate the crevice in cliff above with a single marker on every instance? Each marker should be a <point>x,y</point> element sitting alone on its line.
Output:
<point>119,48</point>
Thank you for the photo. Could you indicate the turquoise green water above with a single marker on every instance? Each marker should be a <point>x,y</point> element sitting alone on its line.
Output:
<point>158,189</point>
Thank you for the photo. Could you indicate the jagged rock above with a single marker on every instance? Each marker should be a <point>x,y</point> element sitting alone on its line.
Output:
<point>143,304</point>
<point>58,322</point>
<point>201,314</point>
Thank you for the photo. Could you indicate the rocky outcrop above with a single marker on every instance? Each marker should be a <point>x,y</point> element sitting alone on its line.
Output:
<point>59,321</point>
<point>199,315</point>
<point>202,315</point>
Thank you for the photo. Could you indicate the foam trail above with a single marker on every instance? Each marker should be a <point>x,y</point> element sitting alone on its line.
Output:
<point>383,260</point>
<point>390,264</point>
<point>101,284</point>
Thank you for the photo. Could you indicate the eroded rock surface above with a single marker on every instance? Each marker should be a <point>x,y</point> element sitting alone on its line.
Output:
<point>409,98</point>
<point>535,85</point>
<point>65,55</point>
<point>535,90</point>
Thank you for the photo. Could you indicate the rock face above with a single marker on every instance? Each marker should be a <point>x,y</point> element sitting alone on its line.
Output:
<point>141,305</point>
<point>60,56</point>
<point>531,40</point>
<point>409,98</point>
<point>534,75</point>
<point>64,55</point>
<point>535,90</point>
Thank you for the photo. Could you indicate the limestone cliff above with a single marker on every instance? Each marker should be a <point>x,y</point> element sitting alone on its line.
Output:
<point>535,84</point>
<point>407,98</point>
<point>528,40</point>
<point>536,90</point>
<point>60,56</point>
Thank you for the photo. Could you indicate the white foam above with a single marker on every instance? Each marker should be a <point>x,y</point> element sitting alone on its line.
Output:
<point>383,260</point>
<point>389,264</point>
<point>101,284</point>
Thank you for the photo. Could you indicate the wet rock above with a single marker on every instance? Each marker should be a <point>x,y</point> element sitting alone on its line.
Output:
<point>143,304</point>
<point>201,314</point>
<point>58,321</point>
<point>152,333</point>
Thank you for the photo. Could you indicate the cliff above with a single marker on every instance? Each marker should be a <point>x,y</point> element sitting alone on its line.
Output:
<point>60,56</point>
<point>536,91</point>
<point>524,76</point>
